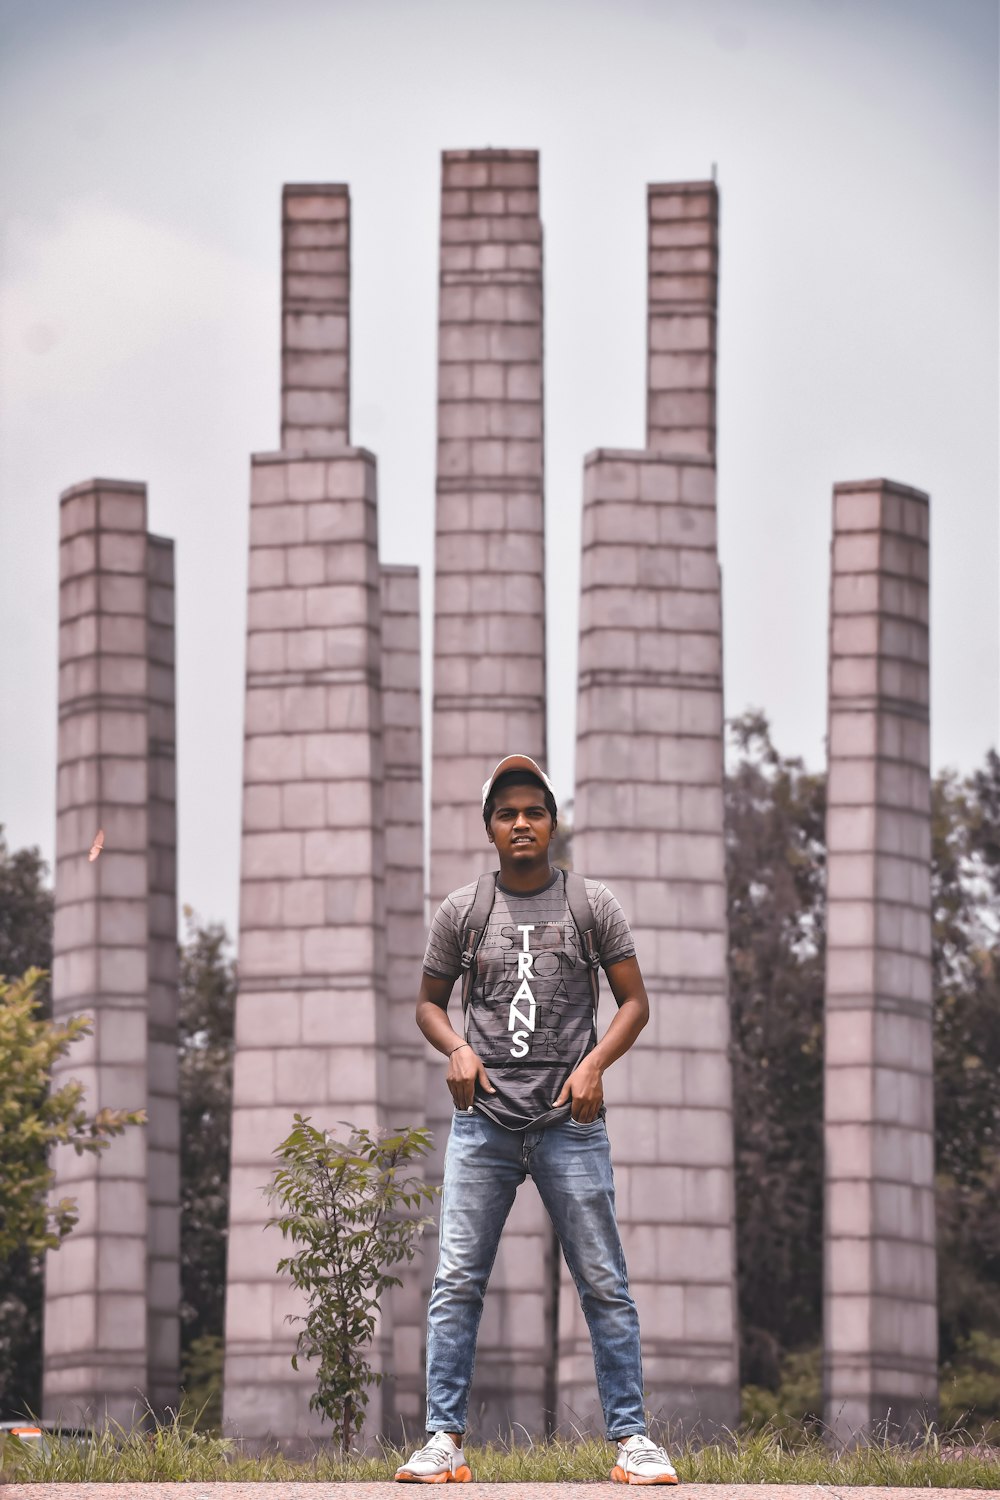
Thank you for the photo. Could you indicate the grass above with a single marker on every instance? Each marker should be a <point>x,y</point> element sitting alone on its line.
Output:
<point>174,1451</point>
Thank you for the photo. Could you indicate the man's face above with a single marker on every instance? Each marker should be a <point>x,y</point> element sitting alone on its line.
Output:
<point>521,826</point>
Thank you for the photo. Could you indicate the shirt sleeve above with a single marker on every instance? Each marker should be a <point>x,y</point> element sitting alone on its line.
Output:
<point>443,955</point>
<point>614,936</point>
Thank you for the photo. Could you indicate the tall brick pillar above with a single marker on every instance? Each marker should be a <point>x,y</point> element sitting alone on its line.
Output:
<point>489,644</point>
<point>310,1012</point>
<point>405,938</point>
<point>163,1136</point>
<point>315,315</point>
<point>649,821</point>
<point>880,1302</point>
<point>111,1300</point>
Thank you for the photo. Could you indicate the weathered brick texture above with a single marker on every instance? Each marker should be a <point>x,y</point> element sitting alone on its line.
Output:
<point>880,1356</point>
<point>404,1105</point>
<point>489,643</point>
<point>310,1014</point>
<point>648,821</point>
<point>683,269</point>
<point>111,1311</point>
<point>315,315</point>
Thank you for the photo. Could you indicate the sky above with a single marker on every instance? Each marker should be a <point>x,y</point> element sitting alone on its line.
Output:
<point>143,147</point>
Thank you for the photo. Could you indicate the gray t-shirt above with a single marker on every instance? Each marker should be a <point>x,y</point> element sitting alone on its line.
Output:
<point>531,1014</point>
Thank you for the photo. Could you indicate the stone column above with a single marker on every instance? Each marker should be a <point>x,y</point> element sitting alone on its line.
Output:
<point>489,647</point>
<point>163,1135</point>
<point>405,937</point>
<point>649,822</point>
<point>683,272</point>
<point>880,1308</point>
<point>111,1289</point>
<point>489,606</point>
<point>309,1014</point>
<point>315,314</point>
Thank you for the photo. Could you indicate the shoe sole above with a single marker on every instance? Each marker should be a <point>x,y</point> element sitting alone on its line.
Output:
<point>619,1476</point>
<point>461,1475</point>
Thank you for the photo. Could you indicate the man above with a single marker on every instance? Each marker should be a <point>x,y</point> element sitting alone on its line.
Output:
<point>525,1079</point>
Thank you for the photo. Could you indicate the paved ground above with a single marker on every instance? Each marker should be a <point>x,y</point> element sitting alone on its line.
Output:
<point>563,1491</point>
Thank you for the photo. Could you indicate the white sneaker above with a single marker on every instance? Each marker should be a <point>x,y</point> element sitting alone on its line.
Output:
<point>640,1461</point>
<point>440,1461</point>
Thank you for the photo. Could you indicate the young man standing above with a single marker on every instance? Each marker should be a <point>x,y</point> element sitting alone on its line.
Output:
<point>525,1079</point>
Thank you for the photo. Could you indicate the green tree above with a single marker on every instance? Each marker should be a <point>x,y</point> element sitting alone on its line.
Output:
<point>206,1010</point>
<point>775,867</point>
<point>25,915</point>
<point>351,1215</point>
<point>25,943</point>
<point>34,1118</point>
<point>966,953</point>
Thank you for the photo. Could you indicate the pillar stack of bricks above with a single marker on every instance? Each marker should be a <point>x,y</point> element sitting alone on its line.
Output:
<point>649,822</point>
<point>315,315</point>
<point>311,1011</point>
<point>682,313</point>
<point>405,935</point>
<point>880,1355</point>
<point>111,1331</point>
<point>489,642</point>
<point>163,1135</point>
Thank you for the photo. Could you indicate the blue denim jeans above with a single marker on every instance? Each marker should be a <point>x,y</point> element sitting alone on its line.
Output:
<point>571,1167</point>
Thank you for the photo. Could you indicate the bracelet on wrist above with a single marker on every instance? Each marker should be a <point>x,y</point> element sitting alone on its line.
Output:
<point>459,1048</point>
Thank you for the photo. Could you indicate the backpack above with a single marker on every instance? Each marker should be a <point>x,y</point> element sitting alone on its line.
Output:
<point>479,915</point>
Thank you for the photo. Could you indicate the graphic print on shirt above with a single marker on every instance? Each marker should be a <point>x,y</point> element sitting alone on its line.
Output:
<point>524,996</point>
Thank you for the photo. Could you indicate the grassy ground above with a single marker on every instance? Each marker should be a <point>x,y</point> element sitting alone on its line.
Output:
<point>175,1452</point>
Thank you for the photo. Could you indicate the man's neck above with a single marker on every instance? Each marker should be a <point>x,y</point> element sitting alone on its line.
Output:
<point>525,880</point>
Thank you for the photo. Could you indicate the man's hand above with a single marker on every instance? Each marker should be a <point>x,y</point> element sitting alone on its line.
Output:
<point>465,1070</point>
<point>585,1089</point>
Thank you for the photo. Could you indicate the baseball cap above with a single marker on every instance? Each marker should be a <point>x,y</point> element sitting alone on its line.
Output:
<point>516,763</point>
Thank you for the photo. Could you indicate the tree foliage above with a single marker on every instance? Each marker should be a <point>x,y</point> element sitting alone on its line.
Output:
<point>351,1214</point>
<point>25,943</point>
<point>35,1117</point>
<point>775,867</point>
<point>775,843</point>
<point>205,1041</point>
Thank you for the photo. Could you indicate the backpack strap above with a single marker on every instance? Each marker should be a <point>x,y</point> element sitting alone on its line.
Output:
<point>583,915</point>
<point>475,928</point>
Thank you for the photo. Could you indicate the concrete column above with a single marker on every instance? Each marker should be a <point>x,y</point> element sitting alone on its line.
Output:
<point>405,937</point>
<point>683,269</point>
<point>163,1134</point>
<point>95,1344</point>
<point>880,1308</point>
<point>649,821</point>
<point>489,614</point>
<point>310,1034</point>
<point>315,314</point>
<point>489,646</point>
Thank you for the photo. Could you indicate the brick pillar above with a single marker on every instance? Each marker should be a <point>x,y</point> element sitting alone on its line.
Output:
<point>649,821</point>
<point>309,1024</point>
<point>315,315</point>
<point>163,1136</point>
<point>107,1278</point>
<point>648,816</point>
<point>405,937</point>
<point>489,643</point>
<point>683,271</point>
<point>880,1355</point>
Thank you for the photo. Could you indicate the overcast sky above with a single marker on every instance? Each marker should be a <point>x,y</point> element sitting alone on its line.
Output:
<point>144,145</point>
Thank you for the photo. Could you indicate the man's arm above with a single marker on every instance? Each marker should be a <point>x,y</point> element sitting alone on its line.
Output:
<point>584,1086</point>
<point>464,1065</point>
